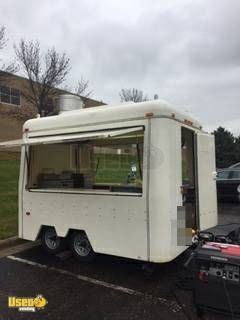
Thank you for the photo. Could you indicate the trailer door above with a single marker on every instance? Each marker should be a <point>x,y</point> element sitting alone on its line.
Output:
<point>206,181</point>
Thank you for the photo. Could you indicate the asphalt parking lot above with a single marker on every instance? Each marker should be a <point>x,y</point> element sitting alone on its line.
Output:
<point>108,288</point>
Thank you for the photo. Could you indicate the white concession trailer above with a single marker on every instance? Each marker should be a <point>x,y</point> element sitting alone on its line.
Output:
<point>132,180</point>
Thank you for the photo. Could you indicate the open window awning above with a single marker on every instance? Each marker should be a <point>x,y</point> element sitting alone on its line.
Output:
<point>68,137</point>
<point>11,144</point>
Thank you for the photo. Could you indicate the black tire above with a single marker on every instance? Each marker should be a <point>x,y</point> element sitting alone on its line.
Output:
<point>81,247</point>
<point>51,243</point>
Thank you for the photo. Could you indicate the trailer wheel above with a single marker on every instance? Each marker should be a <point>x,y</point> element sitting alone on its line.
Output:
<point>81,247</point>
<point>50,241</point>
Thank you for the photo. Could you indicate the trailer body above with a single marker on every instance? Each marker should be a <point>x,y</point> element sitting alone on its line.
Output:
<point>136,178</point>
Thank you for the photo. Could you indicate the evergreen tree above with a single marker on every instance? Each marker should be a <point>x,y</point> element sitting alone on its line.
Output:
<point>227,148</point>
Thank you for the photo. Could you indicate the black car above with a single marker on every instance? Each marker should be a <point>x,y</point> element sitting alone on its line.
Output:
<point>228,185</point>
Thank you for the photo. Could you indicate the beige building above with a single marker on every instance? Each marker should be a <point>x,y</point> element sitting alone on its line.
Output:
<point>15,108</point>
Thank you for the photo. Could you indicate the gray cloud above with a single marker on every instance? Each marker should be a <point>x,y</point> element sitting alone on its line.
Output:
<point>186,51</point>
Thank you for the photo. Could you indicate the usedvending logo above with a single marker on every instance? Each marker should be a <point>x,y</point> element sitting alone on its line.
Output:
<point>31,304</point>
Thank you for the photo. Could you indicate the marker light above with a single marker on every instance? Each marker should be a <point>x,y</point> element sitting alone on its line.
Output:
<point>149,114</point>
<point>188,122</point>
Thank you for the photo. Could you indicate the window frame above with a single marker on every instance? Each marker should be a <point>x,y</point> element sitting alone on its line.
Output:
<point>10,96</point>
<point>15,96</point>
<point>94,191</point>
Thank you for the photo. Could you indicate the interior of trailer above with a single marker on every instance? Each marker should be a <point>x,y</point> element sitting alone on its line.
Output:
<point>110,164</point>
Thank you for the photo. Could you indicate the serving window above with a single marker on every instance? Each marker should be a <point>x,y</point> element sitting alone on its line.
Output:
<point>107,163</point>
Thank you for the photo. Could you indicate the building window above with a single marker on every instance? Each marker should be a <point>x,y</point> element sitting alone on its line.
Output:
<point>9,95</point>
<point>15,96</point>
<point>5,94</point>
<point>108,165</point>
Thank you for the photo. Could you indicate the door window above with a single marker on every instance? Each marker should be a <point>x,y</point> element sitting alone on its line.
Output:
<point>234,175</point>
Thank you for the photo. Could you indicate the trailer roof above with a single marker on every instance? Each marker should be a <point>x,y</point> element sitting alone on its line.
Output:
<point>108,114</point>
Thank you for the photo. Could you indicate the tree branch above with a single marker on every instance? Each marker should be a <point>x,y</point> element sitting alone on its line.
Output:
<point>44,72</point>
<point>133,94</point>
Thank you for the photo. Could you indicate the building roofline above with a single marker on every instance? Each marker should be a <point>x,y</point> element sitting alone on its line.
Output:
<point>58,89</point>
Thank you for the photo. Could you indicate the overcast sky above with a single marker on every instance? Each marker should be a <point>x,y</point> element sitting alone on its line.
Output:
<point>186,51</point>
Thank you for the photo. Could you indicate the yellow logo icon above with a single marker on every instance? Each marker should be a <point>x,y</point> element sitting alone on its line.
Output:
<point>27,304</point>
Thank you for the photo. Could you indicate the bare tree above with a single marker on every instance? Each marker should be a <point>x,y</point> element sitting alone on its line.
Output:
<point>3,40</point>
<point>11,67</point>
<point>134,95</point>
<point>45,73</point>
<point>82,88</point>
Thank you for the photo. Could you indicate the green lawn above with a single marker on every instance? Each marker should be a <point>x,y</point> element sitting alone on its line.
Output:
<point>9,171</point>
<point>112,168</point>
